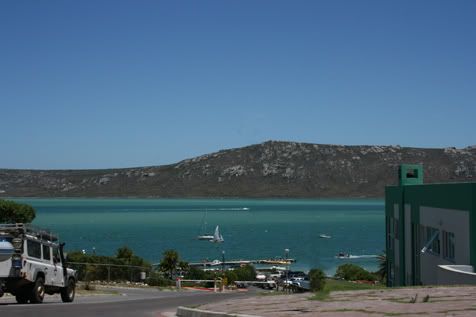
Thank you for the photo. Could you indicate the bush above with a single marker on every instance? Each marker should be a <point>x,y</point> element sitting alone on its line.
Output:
<point>352,272</point>
<point>157,279</point>
<point>317,279</point>
<point>92,272</point>
<point>231,277</point>
<point>245,273</point>
<point>12,212</point>
<point>194,273</point>
<point>169,262</point>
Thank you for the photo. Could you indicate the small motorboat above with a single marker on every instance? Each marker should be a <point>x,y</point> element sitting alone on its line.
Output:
<point>324,236</point>
<point>342,255</point>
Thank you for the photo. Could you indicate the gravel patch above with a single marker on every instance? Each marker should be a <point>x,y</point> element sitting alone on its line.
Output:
<point>413,301</point>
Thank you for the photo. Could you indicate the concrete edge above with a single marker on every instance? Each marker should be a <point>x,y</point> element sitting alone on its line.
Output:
<point>194,312</point>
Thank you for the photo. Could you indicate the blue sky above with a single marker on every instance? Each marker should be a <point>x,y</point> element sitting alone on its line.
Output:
<point>97,84</point>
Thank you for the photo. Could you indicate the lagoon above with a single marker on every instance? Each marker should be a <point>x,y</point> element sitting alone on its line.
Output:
<point>252,228</point>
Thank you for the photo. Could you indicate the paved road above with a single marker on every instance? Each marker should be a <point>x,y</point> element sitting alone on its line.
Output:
<point>129,302</point>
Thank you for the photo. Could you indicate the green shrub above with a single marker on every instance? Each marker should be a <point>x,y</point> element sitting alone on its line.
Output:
<point>245,273</point>
<point>194,273</point>
<point>352,272</point>
<point>157,279</point>
<point>231,277</point>
<point>12,212</point>
<point>92,272</point>
<point>317,279</point>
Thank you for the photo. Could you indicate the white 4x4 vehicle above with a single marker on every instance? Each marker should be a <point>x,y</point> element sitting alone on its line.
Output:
<point>32,263</point>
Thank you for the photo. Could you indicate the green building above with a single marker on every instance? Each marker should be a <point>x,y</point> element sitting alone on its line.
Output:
<point>430,231</point>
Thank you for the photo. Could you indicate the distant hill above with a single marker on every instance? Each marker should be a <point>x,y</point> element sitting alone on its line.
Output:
<point>270,169</point>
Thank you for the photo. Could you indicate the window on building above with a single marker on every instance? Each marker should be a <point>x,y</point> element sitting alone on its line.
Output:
<point>46,252</point>
<point>412,173</point>
<point>449,245</point>
<point>34,249</point>
<point>431,239</point>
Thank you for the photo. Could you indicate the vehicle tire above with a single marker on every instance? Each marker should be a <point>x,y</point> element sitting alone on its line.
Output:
<point>21,298</point>
<point>68,292</point>
<point>38,291</point>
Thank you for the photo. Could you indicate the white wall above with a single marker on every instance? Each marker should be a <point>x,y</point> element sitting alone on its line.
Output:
<point>450,220</point>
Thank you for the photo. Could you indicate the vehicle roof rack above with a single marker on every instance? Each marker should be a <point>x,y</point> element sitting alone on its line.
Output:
<point>29,229</point>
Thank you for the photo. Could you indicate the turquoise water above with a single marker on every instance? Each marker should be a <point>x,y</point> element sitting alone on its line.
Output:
<point>150,226</point>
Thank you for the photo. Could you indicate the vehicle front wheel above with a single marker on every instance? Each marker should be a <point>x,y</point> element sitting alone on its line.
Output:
<point>38,292</point>
<point>68,292</point>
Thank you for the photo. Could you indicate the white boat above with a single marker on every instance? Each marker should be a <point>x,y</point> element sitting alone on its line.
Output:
<point>342,255</point>
<point>324,236</point>
<point>278,268</point>
<point>217,237</point>
<point>206,237</point>
<point>203,229</point>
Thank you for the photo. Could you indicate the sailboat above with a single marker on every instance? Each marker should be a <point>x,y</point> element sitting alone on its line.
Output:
<point>203,235</point>
<point>217,237</point>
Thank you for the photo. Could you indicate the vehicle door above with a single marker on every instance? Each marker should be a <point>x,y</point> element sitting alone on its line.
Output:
<point>35,260</point>
<point>49,268</point>
<point>57,268</point>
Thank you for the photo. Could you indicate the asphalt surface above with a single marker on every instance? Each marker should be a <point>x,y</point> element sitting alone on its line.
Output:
<point>128,302</point>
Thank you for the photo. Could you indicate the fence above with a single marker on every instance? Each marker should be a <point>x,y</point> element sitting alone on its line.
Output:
<point>110,272</point>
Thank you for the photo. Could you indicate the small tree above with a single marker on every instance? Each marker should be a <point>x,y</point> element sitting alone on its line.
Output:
<point>318,280</point>
<point>245,273</point>
<point>183,266</point>
<point>231,276</point>
<point>169,262</point>
<point>125,254</point>
<point>12,212</point>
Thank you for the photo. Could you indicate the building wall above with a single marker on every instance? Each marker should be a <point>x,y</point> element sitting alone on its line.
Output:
<point>392,199</point>
<point>449,207</point>
<point>450,220</point>
<point>408,245</point>
<point>398,267</point>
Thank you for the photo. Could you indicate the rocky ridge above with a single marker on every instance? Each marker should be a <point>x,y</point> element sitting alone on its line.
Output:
<point>270,169</point>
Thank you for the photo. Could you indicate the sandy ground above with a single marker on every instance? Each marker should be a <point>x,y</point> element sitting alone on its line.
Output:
<point>430,301</point>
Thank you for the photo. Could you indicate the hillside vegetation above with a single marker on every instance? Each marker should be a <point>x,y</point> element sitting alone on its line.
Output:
<point>270,169</point>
